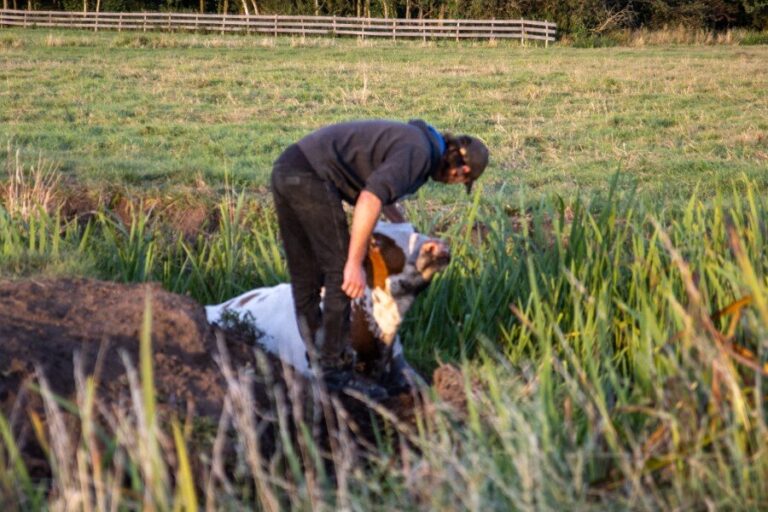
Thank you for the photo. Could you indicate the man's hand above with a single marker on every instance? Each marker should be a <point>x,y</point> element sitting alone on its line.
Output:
<point>364,218</point>
<point>354,280</point>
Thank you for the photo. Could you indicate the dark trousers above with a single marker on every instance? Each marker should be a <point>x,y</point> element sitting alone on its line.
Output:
<point>316,240</point>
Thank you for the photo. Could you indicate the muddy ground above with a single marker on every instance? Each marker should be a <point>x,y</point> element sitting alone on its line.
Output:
<point>44,323</point>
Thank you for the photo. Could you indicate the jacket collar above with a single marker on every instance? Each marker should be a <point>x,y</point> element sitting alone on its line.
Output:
<point>434,142</point>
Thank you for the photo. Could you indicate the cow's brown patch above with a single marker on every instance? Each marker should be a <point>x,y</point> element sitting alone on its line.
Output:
<point>385,258</point>
<point>376,268</point>
<point>245,300</point>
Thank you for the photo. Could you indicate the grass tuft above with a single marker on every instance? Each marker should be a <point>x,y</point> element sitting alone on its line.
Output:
<point>30,188</point>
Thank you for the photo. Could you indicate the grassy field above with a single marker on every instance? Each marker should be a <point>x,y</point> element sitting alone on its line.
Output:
<point>625,203</point>
<point>154,110</point>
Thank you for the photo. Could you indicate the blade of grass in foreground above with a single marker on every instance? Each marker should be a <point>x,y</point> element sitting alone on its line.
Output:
<point>154,467</point>
<point>184,479</point>
<point>19,473</point>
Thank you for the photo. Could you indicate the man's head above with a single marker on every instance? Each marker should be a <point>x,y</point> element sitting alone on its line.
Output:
<point>464,160</point>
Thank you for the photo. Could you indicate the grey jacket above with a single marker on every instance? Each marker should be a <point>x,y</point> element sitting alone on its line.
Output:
<point>387,158</point>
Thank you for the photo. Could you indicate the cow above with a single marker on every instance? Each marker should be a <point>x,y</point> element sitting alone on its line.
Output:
<point>400,263</point>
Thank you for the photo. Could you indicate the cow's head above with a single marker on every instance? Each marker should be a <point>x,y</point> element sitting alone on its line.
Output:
<point>400,263</point>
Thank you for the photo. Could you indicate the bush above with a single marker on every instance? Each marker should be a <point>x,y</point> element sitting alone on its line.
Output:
<point>753,38</point>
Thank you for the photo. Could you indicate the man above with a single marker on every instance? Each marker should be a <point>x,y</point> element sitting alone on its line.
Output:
<point>370,164</point>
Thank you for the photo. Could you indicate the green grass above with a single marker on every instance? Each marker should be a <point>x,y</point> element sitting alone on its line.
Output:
<point>624,204</point>
<point>160,110</point>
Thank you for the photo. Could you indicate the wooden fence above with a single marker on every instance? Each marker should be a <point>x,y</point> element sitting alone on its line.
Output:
<point>393,28</point>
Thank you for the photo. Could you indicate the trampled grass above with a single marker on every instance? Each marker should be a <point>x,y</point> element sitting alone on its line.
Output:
<point>579,300</point>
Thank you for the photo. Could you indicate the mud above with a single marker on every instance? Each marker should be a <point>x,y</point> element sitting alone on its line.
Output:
<point>44,323</point>
<point>187,214</point>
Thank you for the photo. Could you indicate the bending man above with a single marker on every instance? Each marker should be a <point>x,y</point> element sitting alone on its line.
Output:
<point>370,164</point>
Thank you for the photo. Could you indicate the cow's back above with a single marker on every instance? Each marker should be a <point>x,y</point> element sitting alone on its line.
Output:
<point>271,312</point>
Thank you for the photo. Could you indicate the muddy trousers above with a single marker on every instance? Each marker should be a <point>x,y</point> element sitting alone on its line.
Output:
<point>315,236</point>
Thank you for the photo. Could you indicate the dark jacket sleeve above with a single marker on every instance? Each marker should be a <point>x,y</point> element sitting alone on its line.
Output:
<point>399,173</point>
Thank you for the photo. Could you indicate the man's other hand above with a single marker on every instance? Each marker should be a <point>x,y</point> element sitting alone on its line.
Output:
<point>394,213</point>
<point>354,280</point>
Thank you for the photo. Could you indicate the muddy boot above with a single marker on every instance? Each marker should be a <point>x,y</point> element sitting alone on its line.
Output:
<point>345,378</point>
<point>402,378</point>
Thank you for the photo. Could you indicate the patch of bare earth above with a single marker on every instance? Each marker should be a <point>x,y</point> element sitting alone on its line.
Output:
<point>44,323</point>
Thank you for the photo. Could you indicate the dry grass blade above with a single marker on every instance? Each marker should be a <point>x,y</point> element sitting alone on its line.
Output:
<point>740,354</point>
<point>733,310</point>
<point>722,369</point>
<point>31,188</point>
<point>68,490</point>
<point>243,410</point>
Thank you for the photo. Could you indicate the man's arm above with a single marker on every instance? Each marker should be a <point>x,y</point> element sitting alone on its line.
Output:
<point>367,210</point>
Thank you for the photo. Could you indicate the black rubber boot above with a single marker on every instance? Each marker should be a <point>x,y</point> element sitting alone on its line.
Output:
<point>402,378</point>
<point>345,378</point>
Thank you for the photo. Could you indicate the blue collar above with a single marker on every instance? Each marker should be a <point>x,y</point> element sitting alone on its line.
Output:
<point>439,137</point>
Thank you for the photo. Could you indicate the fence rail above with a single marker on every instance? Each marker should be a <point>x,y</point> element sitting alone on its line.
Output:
<point>393,28</point>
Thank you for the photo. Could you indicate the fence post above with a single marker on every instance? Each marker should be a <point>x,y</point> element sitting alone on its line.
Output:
<point>394,29</point>
<point>96,21</point>
<point>334,26</point>
<point>144,25</point>
<point>423,30</point>
<point>525,34</point>
<point>458,24</point>
<point>25,19</point>
<point>275,26</point>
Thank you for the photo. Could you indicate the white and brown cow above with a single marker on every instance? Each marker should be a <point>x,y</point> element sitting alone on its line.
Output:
<point>400,263</point>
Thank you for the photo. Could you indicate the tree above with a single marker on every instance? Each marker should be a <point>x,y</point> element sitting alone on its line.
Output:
<point>758,12</point>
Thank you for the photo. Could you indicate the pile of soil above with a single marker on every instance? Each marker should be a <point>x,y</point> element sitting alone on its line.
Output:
<point>43,323</point>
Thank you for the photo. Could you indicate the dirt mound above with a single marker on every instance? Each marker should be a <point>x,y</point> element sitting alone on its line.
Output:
<point>44,323</point>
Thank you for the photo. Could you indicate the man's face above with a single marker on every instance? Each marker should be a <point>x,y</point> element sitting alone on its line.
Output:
<point>455,175</point>
<point>455,168</point>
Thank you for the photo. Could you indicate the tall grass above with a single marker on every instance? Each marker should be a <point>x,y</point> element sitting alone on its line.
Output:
<point>596,374</point>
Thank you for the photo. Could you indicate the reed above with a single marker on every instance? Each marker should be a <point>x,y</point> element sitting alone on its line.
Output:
<point>597,374</point>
